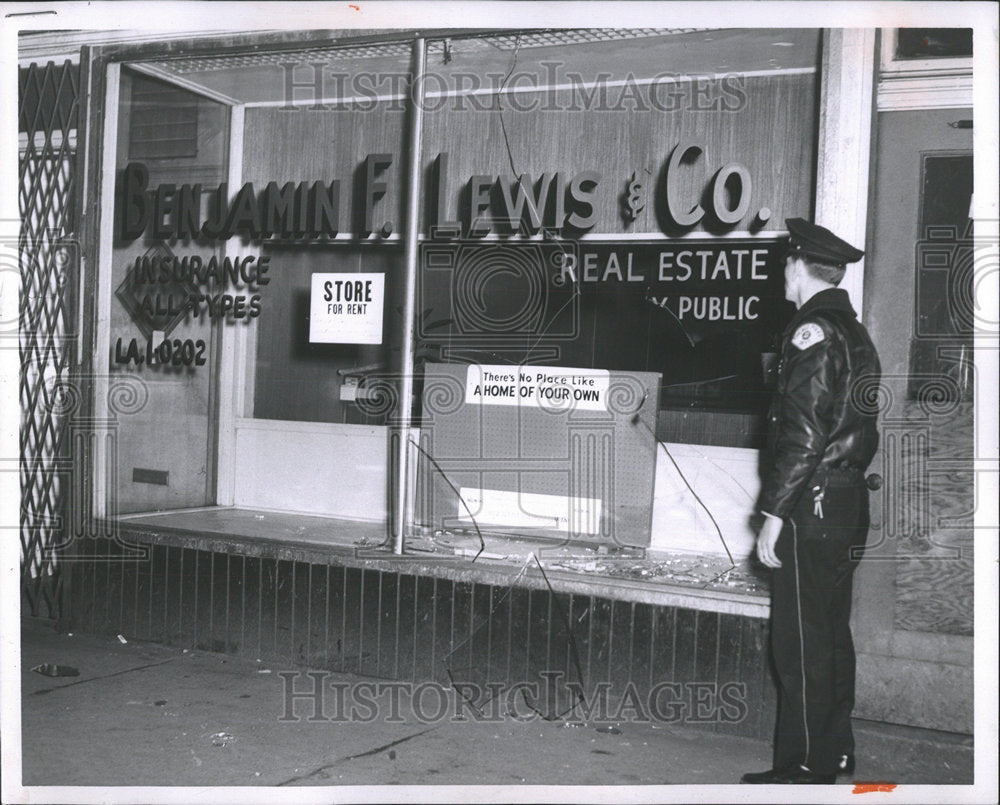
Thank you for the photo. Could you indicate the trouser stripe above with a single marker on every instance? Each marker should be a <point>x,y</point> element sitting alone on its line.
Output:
<point>802,649</point>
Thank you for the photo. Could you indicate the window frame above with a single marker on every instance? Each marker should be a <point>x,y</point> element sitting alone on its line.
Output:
<point>901,68</point>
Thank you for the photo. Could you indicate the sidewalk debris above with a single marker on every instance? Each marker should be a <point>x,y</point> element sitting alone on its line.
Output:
<point>481,554</point>
<point>679,568</point>
<point>610,730</point>
<point>223,739</point>
<point>122,640</point>
<point>49,669</point>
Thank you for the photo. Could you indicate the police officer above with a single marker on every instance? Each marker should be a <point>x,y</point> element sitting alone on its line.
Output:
<point>814,499</point>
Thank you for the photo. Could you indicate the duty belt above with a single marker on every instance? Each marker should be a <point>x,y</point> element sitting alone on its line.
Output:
<point>846,475</point>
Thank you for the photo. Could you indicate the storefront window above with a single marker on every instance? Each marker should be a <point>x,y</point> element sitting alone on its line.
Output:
<point>659,178</point>
<point>298,380</point>
<point>941,346</point>
<point>588,199</point>
<point>933,43</point>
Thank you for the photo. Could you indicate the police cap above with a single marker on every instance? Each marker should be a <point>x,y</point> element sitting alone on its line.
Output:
<point>820,243</point>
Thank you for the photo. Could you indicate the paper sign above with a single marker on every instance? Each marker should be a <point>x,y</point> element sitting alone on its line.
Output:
<point>574,515</point>
<point>346,308</point>
<point>554,388</point>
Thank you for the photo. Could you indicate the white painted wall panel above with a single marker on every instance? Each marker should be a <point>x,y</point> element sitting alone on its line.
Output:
<point>727,481</point>
<point>336,470</point>
<point>341,471</point>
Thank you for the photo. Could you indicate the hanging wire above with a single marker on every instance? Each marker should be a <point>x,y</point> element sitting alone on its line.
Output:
<point>574,651</point>
<point>430,458</point>
<point>722,539</point>
<point>503,85</point>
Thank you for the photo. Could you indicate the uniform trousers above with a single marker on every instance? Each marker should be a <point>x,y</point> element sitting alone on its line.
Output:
<point>811,641</point>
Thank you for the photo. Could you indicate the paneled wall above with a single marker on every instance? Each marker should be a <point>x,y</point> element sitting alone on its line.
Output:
<point>310,145</point>
<point>771,131</point>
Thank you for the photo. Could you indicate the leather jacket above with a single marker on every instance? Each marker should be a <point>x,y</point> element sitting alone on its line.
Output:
<point>821,425</point>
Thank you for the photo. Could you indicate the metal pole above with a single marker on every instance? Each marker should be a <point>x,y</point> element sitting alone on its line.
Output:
<point>410,235</point>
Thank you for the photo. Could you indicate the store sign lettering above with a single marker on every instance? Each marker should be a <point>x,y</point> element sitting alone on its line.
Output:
<point>168,352</point>
<point>556,201</point>
<point>170,211</point>
<point>552,200</point>
<point>699,288</point>
<point>729,200</point>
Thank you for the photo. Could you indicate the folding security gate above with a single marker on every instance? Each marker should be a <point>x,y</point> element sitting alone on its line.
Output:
<point>49,264</point>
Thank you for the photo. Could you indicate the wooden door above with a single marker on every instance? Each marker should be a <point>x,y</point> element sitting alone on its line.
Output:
<point>913,600</point>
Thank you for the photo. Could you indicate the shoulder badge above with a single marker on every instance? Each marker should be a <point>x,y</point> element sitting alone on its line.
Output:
<point>808,334</point>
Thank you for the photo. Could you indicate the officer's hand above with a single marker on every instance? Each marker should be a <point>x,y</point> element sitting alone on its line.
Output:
<point>767,539</point>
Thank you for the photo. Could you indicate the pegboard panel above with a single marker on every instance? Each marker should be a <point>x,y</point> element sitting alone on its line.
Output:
<point>564,454</point>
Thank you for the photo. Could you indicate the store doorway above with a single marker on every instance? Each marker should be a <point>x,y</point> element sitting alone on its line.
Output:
<point>913,609</point>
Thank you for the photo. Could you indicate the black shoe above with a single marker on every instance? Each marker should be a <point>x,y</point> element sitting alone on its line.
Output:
<point>845,765</point>
<point>790,775</point>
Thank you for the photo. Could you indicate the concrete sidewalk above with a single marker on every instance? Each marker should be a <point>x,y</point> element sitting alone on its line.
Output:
<point>144,714</point>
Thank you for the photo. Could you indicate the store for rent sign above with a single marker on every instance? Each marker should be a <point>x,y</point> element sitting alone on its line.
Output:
<point>346,308</point>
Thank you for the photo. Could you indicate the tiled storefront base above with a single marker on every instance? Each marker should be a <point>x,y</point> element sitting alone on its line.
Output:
<point>303,606</point>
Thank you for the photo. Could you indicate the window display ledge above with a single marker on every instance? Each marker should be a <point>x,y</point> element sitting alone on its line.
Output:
<point>691,581</point>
